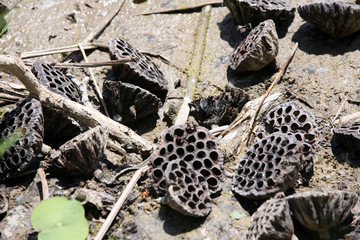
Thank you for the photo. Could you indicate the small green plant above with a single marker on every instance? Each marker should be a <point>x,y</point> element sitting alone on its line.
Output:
<point>58,218</point>
<point>8,142</point>
<point>3,22</point>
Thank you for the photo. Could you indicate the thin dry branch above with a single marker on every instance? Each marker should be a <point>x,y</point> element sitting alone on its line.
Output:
<point>87,116</point>
<point>119,203</point>
<point>277,78</point>
<point>94,34</point>
<point>92,77</point>
<point>190,5</point>
<point>86,65</point>
<point>58,50</point>
<point>44,184</point>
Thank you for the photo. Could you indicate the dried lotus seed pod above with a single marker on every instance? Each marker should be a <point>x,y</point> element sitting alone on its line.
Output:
<point>221,109</point>
<point>270,166</point>
<point>58,127</point>
<point>80,155</point>
<point>28,116</point>
<point>127,102</point>
<point>187,190</point>
<point>141,72</point>
<point>193,144</point>
<point>257,50</point>
<point>256,11</point>
<point>56,81</point>
<point>272,220</point>
<point>289,118</point>
<point>339,19</point>
<point>320,210</point>
<point>349,135</point>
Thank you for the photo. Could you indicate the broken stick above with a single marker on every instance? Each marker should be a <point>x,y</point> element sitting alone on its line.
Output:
<point>277,78</point>
<point>87,116</point>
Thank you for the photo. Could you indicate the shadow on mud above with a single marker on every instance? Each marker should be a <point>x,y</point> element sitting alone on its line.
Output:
<point>313,41</point>
<point>175,223</point>
<point>248,79</point>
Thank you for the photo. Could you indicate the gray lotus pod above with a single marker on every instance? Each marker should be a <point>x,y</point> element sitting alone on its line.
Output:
<point>272,220</point>
<point>349,135</point>
<point>257,50</point>
<point>320,210</point>
<point>57,82</point>
<point>80,155</point>
<point>141,71</point>
<point>187,190</point>
<point>289,118</point>
<point>270,166</point>
<point>27,116</point>
<point>193,144</point>
<point>339,19</point>
<point>127,102</point>
<point>256,11</point>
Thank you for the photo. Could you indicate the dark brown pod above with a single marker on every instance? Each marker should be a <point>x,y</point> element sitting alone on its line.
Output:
<point>187,190</point>
<point>291,119</point>
<point>141,71</point>
<point>80,155</point>
<point>57,82</point>
<point>127,102</point>
<point>349,135</point>
<point>193,144</point>
<point>256,11</point>
<point>339,19</point>
<point>272,220</point>
<point>321,210</point>
<point>221,109</point>
<point>28,117</point>
<point>257,50</point>
<point>270,166</point>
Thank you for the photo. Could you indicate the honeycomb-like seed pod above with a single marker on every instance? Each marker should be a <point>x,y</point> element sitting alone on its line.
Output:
<point>349,135</point>
<point>187,190</point>
<point>339,19</point>
<point>257,50</point>
<point>56,81</point>
<point>193,144</point>
<point>270,166</point>
<point>221,109</point>
<point>58,127</point>
<point>141,71</point>
<point>289,118</point>
<point>272,220</point>
<point>320,210</point>
<point>26,115</point>
<point>256,11</point>
<point>127,102</point>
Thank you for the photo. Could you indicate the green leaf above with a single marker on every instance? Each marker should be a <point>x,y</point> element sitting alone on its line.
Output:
<point>236,215</point>
<point>3,25</point>
<point>8,142</point>
<point>60,219</point>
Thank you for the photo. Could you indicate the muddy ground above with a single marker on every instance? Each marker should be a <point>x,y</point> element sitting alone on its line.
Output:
<point>323,73</point>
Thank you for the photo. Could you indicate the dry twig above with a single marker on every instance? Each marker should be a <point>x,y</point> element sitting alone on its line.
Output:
<point>277,78</point>
<point>86,65</point>
<point>92,77</point>
<point>189,6</point>
<point>44,184</point>
<point>87,116</point>
<point>94,34</point>
<point>120,202</point>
